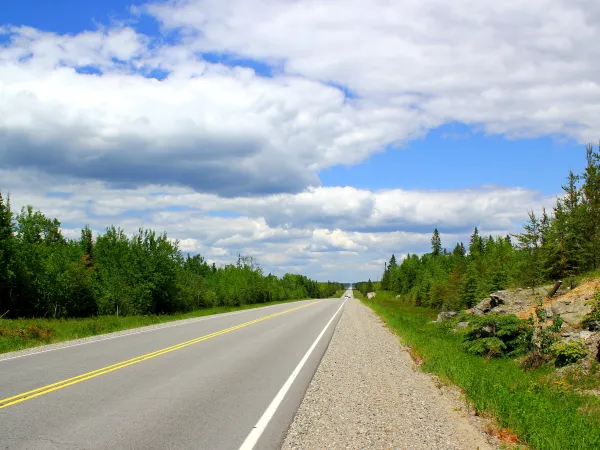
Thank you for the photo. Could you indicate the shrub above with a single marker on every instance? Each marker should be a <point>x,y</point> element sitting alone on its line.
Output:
<point>568,352</point>
<point>497,335</point>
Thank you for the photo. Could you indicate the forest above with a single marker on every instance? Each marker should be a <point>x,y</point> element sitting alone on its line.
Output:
<point>43,274</point>
<point>553,245</point>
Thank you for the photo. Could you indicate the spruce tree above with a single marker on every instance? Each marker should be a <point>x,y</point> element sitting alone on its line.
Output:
<point>436,243</point>
<point>475,243</point>
<point>7,253</point>
<point>591,195</point>
<point>529,242</point>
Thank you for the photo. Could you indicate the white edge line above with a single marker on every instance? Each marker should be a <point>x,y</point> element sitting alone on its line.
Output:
<point>262,423</point>
<point>183,322</point>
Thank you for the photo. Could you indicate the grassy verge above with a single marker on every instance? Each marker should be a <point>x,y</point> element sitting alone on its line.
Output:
<point>358,294</point>
<point>18,334</point>
<point>339,294</point>
<point>544,415</point>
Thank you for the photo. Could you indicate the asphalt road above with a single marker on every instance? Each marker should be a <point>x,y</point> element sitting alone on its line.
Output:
<point>227,382</point>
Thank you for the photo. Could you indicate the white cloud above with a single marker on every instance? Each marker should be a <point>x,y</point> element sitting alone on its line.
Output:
<point>517,68</point>
<point>330,233</point>
<point>117,147</point>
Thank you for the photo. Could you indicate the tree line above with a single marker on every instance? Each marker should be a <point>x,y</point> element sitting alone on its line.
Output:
<point>44,274</point>
<point>554,245</point>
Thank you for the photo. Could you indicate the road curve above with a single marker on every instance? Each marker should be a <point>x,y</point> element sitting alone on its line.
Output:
<point>228,382</point>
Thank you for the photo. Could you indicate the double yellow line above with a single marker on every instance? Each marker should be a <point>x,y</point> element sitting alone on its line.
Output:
<point>6,402</point>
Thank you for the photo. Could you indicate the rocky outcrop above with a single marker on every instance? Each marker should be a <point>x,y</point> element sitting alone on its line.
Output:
<point>445,315</point>
<point>572,310</point>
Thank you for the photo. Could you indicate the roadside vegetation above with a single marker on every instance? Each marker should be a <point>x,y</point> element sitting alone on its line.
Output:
<point>144,277</point>
<point>517,362</point>
<point>18,334</point>
<point>557,245</point>
<point>543,411</point>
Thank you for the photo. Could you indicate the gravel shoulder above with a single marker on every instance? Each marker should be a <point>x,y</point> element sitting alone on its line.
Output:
<point>367,393</point>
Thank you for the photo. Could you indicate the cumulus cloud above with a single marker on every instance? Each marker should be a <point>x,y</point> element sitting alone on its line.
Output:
<point>520,69</point>
<point>83,105</point>
<point>114,126</point>
<point>324,232</point>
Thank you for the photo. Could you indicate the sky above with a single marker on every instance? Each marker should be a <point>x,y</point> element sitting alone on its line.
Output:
<point>318,137</point>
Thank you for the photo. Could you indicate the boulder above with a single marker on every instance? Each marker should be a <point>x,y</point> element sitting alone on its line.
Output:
<point>445,315</point>
<point>462,324</point>
<point>483,307</point>
<point>572,311</point>
<point>371,295</point>
<point>502,298</point>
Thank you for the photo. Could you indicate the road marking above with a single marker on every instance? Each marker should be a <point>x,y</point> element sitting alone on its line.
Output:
<point>6,402</point>
<point>134,331</point>
<point>262,423</point>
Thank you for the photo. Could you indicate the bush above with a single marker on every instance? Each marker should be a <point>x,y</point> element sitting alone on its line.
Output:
<point>490,347</point>
<point>568,352</point>
<point>497,335</point>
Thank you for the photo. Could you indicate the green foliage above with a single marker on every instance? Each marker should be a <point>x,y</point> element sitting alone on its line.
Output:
<point>495,335</point>
<point>568,352</point>
<point>42,274</point>
<point>543,416</point>
<point>562,243</point>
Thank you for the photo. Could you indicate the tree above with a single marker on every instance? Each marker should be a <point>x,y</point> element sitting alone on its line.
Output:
<point>591,197</point>
<point>475,243</point>
<point>7,254</point>
<point>436,243</point>
<point>529,242</point>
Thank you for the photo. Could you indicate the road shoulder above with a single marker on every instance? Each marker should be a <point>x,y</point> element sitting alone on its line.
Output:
<point>367,393</point>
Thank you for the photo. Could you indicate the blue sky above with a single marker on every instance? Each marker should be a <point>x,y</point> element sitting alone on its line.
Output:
<point>291,131</point>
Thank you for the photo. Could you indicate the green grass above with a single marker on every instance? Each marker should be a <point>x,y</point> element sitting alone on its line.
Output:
<point>544,415</point>
<point>358,294</point>
<point>339,294</point>
<point>18,334</point>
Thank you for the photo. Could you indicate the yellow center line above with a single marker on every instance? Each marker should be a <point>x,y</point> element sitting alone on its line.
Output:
<point>6,402</point>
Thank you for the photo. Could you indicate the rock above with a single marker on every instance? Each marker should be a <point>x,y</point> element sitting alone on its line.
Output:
<point>571,311</point>
<point>594,325</point>
<point>548,313</point>
<point>445,315</point>
<point>502,309</point>
<point>371,295</point>
<point>500,298</point>
<point>462,324</point>
<point>483,307</point>
<point>586,335</point>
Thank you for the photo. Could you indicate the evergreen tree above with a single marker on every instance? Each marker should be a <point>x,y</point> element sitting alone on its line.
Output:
<point>475,243</point>
<point>591,195</point>
<point>436,243</point>
<point>529,242</point>
<point>7,254</point>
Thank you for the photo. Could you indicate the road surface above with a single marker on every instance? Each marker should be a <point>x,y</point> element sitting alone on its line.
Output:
<point>232,381</point>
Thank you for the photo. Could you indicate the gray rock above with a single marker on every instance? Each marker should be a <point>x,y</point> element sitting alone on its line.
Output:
<point>571,311</point>
<point>502,309</point>
<point>483,307</point>
<point>445,315</point>
<point>500,298</point>
<point>462,324</point>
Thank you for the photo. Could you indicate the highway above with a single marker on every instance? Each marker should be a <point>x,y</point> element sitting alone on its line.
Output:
<point>230,381</point>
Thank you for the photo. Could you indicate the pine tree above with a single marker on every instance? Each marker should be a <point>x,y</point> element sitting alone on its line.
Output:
<point>475,243</point>
<point>468,288</point>
<point>591,195</point>
<point>7,253</point>
<point>436,243</point>
<point>529,242</point>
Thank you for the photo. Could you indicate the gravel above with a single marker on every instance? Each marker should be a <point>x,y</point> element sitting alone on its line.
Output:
<point>368,394</point>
